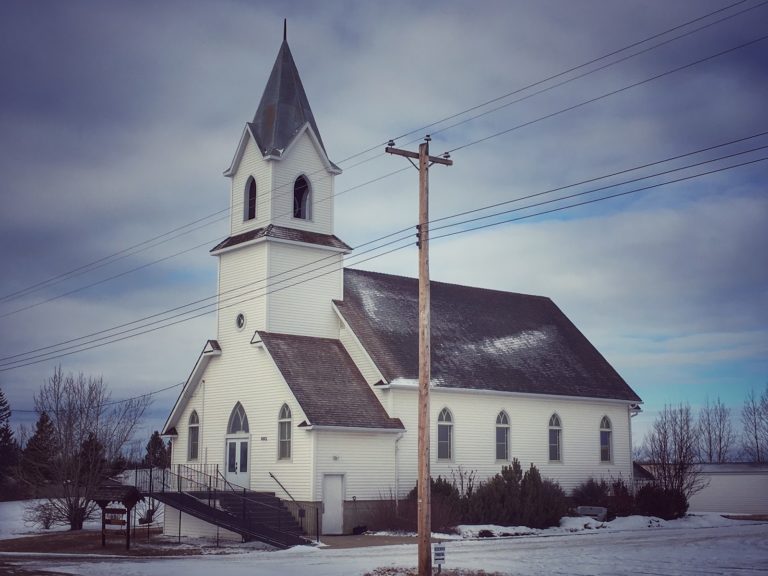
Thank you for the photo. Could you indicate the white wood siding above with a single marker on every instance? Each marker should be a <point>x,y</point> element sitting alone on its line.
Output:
<point>302,159</point>
<point>252,164</point>
<point>242,288</point>
<point>246,374</point>
<point>367,461</point>
<point>192,527</point>
<point>303,282</point>
<point>474,425</point>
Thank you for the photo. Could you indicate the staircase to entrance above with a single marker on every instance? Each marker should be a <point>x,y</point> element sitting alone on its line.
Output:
<point>204,493</point>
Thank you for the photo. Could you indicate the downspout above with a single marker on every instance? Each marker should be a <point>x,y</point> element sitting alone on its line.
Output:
<point>397,471</point>
<point>633,411</point>
<point>202,429</point>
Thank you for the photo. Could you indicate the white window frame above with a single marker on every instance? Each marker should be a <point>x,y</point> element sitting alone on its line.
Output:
<point>445,420</point>
<point>193,426</point>
<point>606,427</point>
<point>556,426</point>
<point>284,435</point>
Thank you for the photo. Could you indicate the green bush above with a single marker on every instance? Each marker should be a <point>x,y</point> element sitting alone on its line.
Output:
<point>445,506</point>
<point>592,493</point>
<point>652,500</point>
<point>497,500</point>
<point>622,500</point>
<point>615,496</point>
<point>512,499</point>
<point>542,502</point>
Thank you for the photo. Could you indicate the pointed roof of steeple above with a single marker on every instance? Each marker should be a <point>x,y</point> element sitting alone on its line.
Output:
<point>284,107</point>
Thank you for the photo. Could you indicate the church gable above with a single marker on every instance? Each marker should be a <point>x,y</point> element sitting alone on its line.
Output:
<point>326,382</point>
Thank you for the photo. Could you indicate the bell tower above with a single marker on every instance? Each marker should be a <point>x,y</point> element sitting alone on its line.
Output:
<point>281,265</point>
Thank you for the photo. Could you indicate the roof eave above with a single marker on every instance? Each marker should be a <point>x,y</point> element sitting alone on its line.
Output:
<point>326,428</point>
<point>189,386</point>
<point>633,403</point>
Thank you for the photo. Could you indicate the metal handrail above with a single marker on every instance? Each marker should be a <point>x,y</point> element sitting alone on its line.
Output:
<point>284,488</point>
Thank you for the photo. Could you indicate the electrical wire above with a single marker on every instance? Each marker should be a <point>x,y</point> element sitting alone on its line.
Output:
<point>113,337</point>
<point>608,94</point>
<point>594,200</point>
<point>122,253</point>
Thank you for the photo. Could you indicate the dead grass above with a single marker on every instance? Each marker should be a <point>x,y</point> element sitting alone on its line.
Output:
<point>89,542</point>
<point>390,571</point>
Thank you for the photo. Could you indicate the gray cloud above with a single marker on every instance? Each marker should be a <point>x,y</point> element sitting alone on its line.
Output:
<point>117,120</point>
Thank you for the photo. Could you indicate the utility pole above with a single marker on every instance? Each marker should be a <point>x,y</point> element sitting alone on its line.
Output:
<point>424,498</point>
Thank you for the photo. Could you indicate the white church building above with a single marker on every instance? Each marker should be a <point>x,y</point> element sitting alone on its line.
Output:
<point>311,380</point>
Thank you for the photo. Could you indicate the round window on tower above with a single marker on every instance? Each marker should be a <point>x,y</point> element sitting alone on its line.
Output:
<point>240,321</point>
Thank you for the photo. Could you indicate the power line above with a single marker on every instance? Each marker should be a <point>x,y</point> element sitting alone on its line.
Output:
<point>594,200</point>
<point>163,259</point>
<point>580,66</point>
<point>122,401</point>
<point>589,72</point>
<point>113,337</point>
<point>123,253</point>
<point>611,93</point>
<point>612,174</point>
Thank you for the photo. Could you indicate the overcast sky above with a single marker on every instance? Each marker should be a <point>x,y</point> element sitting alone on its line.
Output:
<point>118,118</point>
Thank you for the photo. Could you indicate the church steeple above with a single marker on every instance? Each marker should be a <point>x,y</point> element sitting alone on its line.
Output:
<point>284,107</point>
<point>281,220</point>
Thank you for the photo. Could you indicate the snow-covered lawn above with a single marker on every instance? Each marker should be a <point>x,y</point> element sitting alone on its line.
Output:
<point>13,525</point>
<point>700,544</point>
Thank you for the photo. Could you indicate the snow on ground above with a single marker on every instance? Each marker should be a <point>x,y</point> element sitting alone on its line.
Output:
<point>13,524</point>
<point>699,544</point>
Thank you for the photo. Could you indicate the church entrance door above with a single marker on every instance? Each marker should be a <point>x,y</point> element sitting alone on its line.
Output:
<point>237,465</point>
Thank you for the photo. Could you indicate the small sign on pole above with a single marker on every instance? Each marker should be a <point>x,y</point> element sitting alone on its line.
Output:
<point>439,556</point>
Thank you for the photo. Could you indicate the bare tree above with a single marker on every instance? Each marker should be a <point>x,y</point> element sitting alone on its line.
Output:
<point>672,448</point>
<point>90,432</point>
<point>715,432</point>
<point>754,418</point>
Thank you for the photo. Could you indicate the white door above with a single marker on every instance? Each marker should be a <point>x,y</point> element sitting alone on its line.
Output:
<point>237,464</point>
<point>333,504</point>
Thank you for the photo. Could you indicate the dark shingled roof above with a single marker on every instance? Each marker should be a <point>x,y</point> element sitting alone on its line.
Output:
<point>481,339</point>
<point>283,109</point>
<point>283,233</point>
<point>325,381</point>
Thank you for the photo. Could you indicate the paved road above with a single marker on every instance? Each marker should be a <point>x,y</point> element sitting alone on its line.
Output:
<point>733,550</point>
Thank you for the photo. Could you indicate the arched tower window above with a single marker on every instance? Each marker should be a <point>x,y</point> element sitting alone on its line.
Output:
<point>284,433</point>
<point>301,201</point>
<point>445,435</point>
<point>193,442</point>
<point>238,421</point>
<point>605,439</point>
<point>249,200</point>
<point>555,438</point>
<point>502,436</point>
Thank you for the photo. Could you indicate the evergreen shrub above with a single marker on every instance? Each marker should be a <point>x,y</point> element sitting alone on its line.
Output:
<point>652,500</point>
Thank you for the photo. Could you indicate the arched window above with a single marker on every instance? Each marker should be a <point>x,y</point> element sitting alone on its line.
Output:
<point>301,203</point>
<point>284,433</point>
<point>555,438</point>
<point>445,435</point>
<point>605,439</point>
<point>502,436</point>
<point>238,421</point>
<point>249,201</point>
<point>193,443</point>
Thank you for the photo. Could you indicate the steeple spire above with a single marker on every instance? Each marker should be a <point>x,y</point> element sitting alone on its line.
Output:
<point>284,108</point>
